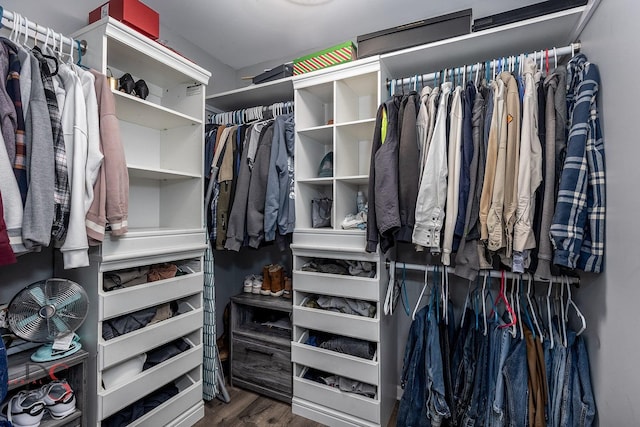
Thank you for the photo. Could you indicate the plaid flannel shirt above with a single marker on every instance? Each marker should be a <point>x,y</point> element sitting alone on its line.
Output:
<point>577,229</point>
<point>62,193</point>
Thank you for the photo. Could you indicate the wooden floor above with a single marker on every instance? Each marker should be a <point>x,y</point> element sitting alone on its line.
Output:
<point>248,409</point>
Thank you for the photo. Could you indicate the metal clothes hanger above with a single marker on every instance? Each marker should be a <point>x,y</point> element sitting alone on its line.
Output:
<point>571,303</point>
<point>484,304</point>
<point>502,296</point>
<point>532,308</point>
<point>519,306</point>
<point>424,288</point>
<point>549,315</point>
<point>466,304</point>
<point>389,297</point>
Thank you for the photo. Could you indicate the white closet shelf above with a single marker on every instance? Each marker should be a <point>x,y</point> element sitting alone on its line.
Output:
<point>50,422</point>
<point>262,94</point>
<point>158,173</point>
<point>317,181</point>
<point>132,109</point>
<point>355,179</point>
<point>511,39</point>
<point>141,56</point>
<point>316,130</point>
<point>364,123</point>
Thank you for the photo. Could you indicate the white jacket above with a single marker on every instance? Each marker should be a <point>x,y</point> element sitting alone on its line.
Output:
<point>94,156</point>
<point>74,125</point>
<point>530,167</point>
<point>453,183</point>
<point>432,194</point>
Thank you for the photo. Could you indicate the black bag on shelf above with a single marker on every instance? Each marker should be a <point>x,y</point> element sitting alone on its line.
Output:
<point>321,212</point>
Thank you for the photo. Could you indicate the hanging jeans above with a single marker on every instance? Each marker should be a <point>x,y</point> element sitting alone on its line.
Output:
<point>412,411</point>
<point>500,346</point>
<point>578,404</point>
<point>476,411</point>
<point>437,407</point>
<point>515,384</point>
<point>465,370</point>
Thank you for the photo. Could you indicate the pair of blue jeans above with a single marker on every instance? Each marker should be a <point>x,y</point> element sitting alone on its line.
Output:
<point>423,402</point>
<point>578,403</point>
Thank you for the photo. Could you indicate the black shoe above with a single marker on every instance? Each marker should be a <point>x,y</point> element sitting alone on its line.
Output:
<point>126,83</point>
<point>140,89</point>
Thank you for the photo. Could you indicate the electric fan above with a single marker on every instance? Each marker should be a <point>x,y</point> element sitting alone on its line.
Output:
<point>46,311</point>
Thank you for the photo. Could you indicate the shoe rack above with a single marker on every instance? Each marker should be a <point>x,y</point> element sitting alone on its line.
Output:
<point>23,374</point>
<point>163,139</point>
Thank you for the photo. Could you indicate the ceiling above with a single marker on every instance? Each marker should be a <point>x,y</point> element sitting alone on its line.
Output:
<point>241,33</point>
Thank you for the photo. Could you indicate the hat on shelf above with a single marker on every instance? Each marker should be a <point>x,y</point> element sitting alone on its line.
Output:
<point>326,166</point>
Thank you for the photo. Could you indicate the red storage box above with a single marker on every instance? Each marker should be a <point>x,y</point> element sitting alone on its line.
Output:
<point>133,13</point>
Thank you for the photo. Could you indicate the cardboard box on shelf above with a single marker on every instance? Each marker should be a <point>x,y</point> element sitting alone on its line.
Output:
<point>133,13</point>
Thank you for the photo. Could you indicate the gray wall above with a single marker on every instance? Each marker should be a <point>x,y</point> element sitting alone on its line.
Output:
<point>610,302</point>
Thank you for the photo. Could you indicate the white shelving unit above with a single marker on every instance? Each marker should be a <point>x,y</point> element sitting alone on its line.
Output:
<point>163,142</point>
<point>335,112</point>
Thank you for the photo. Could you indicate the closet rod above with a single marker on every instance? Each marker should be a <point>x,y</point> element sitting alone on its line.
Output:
<point>496,63</point>
<point>38,29</point>
<point>492,273</point>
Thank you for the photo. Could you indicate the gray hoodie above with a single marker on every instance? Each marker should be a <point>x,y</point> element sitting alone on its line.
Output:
<point>279,210</point>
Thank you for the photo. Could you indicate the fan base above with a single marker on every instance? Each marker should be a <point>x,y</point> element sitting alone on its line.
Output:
<point>46,353</point>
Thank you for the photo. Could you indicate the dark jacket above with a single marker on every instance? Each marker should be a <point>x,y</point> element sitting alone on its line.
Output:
<point>409,167</point>
<point>383,218</point>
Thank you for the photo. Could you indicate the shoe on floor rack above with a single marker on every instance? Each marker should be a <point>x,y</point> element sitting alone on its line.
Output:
<point>59,399</point>
<point>26,408</point>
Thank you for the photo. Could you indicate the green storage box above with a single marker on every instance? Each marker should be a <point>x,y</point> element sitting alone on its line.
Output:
<point>335,55</point>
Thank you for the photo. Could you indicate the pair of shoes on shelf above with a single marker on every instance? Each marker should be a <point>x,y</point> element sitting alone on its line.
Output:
<point>288,288</point>
<point>139,88</point>
<point>252,284</point>
<point>273,280</point>
<point>26,408</point>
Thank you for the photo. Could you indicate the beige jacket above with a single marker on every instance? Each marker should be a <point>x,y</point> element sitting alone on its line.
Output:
<point>495,229</point>
<point>512,160</point>
<point>530,168</point>
<point>492,157</point>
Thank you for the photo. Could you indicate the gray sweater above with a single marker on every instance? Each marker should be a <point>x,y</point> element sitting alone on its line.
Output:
<point>39,207</point>
<point>555,118</point>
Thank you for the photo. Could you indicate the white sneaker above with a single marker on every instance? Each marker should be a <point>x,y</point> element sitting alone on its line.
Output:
<point>257,284</point>
<point>59,399</point>
<point>248,284</point>
<point>25,409</point>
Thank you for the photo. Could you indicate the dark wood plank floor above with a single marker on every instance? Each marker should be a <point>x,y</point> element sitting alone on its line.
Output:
<point>248,409</point>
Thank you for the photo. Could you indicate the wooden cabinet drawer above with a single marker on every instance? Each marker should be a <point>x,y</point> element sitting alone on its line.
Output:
<point>267,366</point>
<point>341,364</point>
<point>337,285</point>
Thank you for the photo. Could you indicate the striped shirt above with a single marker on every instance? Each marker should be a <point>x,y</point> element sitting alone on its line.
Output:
<point>577,229</point>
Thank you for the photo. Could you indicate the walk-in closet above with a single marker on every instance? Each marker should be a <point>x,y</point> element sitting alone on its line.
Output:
<point>316,212</point>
